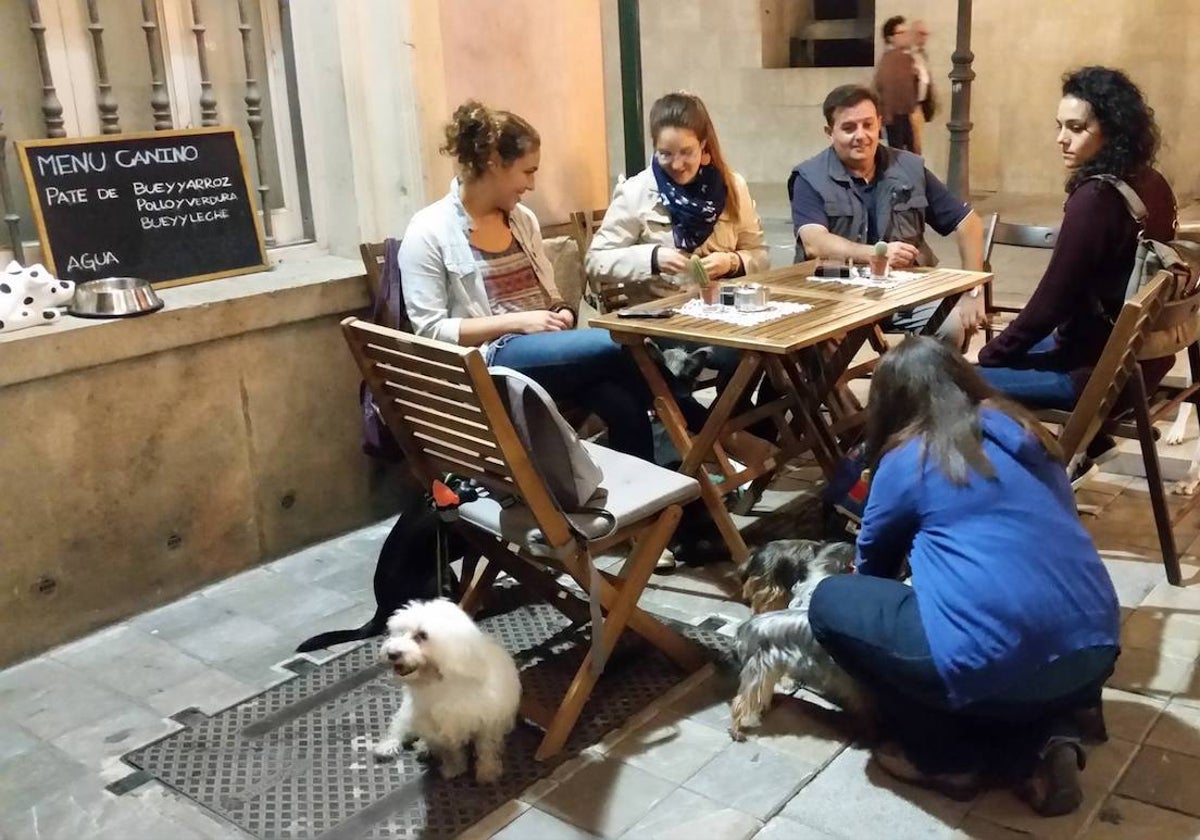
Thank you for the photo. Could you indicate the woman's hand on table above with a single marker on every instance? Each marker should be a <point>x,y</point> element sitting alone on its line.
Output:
<point>672,261</point>
<point>720,264</point>
<point>540,320</point>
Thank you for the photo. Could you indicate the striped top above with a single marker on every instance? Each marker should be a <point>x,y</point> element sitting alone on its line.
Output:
<point>509,279</point>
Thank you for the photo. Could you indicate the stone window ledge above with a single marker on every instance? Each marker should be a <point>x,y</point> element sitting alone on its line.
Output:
<point>295,289</point>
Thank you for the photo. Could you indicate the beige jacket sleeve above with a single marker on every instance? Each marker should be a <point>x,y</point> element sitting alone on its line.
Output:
<point>616,254</point>
<point>751,241</point>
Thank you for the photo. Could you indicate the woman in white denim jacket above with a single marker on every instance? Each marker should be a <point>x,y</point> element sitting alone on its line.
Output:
<point>688,201</point>
<point>474,272</point>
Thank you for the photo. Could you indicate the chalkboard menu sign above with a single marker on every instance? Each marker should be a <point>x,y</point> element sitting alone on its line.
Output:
<point>171,207</point>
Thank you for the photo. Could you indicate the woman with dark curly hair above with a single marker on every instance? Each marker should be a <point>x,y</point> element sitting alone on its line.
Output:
<point>1046,354</point>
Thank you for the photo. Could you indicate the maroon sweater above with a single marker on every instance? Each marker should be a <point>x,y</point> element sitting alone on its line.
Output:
<point>1091,260</point>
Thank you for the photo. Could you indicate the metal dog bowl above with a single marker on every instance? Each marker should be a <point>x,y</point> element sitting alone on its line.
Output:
<point>114,297</point>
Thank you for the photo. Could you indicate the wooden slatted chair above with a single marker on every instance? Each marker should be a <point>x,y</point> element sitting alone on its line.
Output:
<point>441,404</point>
<point>1169,397</point>
<point>373,254</point>
<point>606,297</point>
<point>1015,236</point>
<point>568,228</point>
<point>1118,378</point>
<point>588,222</point>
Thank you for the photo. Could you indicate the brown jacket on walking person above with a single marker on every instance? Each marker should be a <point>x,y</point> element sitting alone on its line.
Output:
<point>896,84</point>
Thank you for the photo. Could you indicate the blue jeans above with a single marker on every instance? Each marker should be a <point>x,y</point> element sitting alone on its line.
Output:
<point>1034,381</point>
<point>872,628</point>
<point>589,368</point>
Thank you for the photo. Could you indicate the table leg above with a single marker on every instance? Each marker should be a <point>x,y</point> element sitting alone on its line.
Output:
<point>939,315</point>
<point>788,379</point>
<point>704,445</point>
<point>664,398</point>
<point>693,463</point>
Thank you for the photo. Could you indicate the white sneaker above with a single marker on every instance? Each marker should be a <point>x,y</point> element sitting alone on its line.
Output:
<point>1080,469</point>
<point>666,561</point>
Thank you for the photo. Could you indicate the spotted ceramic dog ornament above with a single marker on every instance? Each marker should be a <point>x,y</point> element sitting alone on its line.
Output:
<point>31,296</point>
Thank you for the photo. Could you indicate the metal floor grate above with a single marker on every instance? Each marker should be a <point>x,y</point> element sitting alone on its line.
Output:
<point>294,762</point>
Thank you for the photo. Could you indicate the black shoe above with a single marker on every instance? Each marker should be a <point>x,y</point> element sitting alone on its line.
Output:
<point>961,787</point>
<point>1102,448</point>
<point>1053,789</point>
<point>1091,724</point>
<point>1080,470</point>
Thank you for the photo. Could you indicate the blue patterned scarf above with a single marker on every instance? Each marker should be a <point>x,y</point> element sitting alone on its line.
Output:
<point>694,207</point>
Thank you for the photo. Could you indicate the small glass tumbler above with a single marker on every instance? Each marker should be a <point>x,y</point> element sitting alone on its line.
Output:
<point>879,267</point>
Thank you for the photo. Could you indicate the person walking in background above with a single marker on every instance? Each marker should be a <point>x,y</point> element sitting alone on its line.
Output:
<point>896,84</point>
<point>926,104</point>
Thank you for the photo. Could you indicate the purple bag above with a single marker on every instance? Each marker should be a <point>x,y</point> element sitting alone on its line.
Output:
<point>377,439</point>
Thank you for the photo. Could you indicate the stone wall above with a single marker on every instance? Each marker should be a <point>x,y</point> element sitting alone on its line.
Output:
<point>539,60</point>
<point>770,119</point>
<point>144,458</point>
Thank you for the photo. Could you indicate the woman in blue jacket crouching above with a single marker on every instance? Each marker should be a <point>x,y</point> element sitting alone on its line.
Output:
<point>1003,641</point>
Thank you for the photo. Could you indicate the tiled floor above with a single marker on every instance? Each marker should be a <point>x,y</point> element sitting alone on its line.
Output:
<point>67,716</point>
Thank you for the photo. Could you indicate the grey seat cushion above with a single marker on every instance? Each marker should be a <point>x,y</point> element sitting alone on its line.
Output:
<point>632,490</point>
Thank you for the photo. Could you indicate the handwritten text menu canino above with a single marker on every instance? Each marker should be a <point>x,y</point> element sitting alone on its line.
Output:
<point>171,207</point>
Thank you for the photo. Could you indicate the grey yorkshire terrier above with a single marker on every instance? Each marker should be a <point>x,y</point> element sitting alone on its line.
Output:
<point>685,364</point>
<point>778,643</point>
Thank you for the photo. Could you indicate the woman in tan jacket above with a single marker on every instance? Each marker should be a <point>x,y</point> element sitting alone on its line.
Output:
<point>688,201</point>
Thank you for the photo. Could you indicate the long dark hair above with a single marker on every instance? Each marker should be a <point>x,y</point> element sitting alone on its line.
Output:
<point>1131,136</point>
<point>686,110</point>
<point>923,388</point>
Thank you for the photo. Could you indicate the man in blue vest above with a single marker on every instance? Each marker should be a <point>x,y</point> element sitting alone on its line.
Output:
<point>858,192</point>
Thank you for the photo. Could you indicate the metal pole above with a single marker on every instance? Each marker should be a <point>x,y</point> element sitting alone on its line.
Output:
<point>959,176</point>
<point>630,36</point>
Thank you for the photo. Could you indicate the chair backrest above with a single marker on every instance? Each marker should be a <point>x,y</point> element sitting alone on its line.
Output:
<point>588,222</point>
<point>567,228</point>
<point>613,296</point>
<point>373,255</point>
<point>1117,363</point>
<point>1016,236</point>
<point>567,261</point>
<point>442,406</point>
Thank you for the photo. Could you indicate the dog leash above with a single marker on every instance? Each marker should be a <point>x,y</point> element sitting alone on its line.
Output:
<point>448,494</point>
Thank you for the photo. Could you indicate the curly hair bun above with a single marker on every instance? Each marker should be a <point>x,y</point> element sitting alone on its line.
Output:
<point>471,136</point>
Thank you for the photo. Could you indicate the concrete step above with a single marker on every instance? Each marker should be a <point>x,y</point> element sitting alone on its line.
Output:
<point>1173,460</point>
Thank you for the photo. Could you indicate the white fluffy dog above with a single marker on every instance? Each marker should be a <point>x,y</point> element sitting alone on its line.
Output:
<point>460,687</point>
<point>1186,486</point>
